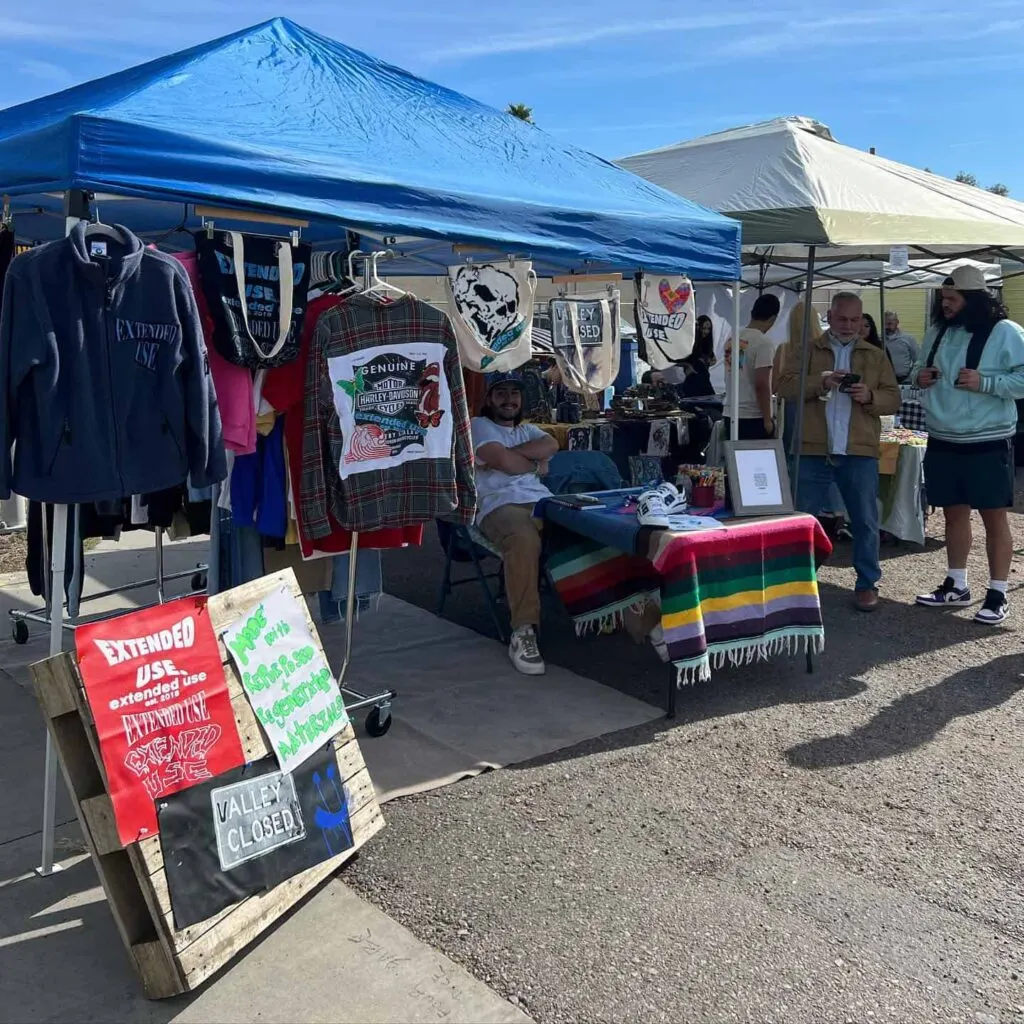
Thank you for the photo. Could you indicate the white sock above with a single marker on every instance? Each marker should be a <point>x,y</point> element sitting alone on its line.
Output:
<point>959,578</point>
<point>999,585</point>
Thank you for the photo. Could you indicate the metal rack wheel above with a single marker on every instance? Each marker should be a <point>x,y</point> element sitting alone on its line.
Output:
<point>378,722</point>
<point>19,630</point>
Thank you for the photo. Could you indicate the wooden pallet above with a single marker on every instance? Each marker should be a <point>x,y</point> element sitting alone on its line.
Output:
<point>170,962</point>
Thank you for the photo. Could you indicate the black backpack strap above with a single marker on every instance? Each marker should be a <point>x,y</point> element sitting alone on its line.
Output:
<point>935,345</point>
<point>977,345</point>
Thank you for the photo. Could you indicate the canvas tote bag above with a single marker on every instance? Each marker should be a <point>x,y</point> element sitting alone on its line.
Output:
<point>585,338</point>
<point>665,317</point>
<point>256,289</point>
<point>491,309</point>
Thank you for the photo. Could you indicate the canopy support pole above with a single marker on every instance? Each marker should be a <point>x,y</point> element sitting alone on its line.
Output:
<point>881,311</point>
<point>798,431</point>
<point>76,208</point>
<point>734,397</point>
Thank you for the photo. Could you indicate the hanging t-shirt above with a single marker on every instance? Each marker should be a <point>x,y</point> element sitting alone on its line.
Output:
<point>495,488</point>
<point>756,352</point>
<point>387,440</point>
<point>232,384</point>
<point>284,389</point>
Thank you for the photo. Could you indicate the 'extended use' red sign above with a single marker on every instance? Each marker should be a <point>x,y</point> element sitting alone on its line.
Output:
<point>160,702</point>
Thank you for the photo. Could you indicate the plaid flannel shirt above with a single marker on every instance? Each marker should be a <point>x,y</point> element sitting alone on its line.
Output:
<point>404,495</point>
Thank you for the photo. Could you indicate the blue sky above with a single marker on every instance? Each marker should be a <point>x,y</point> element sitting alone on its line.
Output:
<point>936,83</point>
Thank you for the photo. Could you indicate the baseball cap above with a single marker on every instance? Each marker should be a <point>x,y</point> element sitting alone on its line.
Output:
<point>507,377</point>
<point>967,279</point>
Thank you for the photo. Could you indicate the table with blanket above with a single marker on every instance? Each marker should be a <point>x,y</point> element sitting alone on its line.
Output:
<point>736,594</point>
<point>901,484</point>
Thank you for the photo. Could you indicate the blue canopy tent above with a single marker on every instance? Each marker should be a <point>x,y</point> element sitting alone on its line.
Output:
<point>278,118</point>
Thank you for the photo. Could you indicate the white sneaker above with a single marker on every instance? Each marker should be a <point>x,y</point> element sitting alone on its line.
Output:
<point>524,653</point>
<point>654,507</point>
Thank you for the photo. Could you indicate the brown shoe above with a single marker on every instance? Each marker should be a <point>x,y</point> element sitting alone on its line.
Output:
<point>867,600</point>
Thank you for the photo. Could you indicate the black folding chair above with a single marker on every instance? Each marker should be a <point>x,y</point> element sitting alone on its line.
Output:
<point>465,544</point>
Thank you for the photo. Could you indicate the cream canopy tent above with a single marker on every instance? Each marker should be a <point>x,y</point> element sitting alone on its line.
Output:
<point>808,203</point>
<point>792,185</point>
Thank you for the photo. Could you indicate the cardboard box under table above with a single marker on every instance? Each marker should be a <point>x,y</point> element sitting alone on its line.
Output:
<point>169,960</point>
<point>733,595</point>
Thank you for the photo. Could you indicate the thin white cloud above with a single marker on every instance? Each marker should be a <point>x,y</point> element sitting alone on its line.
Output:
<point>561,35</point>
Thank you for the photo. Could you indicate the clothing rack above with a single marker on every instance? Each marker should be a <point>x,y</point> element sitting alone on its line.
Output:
<point>378,721</point>
<point>21,617</point>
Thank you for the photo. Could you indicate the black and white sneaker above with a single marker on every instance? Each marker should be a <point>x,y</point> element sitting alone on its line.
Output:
<point>948,593</point>
<point>525,654</point>
<point>994,610</point>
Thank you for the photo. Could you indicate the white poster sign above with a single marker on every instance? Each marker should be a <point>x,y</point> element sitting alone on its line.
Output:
<point>899,259</point>
<point>758,472</point>
<point>286,678</point>
<point>394,405</point>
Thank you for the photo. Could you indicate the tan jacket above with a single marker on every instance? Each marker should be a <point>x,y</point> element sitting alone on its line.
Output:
<point>875,371</point>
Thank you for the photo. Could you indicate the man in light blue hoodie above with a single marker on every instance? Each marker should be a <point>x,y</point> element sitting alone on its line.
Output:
<point>971,372</point>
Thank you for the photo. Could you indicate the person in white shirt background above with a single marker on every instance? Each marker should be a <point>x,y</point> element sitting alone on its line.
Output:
<point>511,457</point>
<point>754,374</point>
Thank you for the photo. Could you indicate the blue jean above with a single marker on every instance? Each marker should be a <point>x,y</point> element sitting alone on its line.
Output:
<point>857,479</point>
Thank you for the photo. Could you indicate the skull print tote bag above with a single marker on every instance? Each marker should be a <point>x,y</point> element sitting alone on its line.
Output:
<point>491,309</point>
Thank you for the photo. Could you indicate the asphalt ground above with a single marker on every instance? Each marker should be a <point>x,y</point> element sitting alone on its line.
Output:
<point>841,846</point>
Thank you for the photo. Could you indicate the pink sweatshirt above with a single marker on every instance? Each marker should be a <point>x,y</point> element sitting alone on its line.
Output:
<point>233,384</point>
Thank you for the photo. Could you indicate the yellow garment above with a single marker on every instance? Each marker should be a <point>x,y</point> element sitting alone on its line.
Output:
<point>265,422</point>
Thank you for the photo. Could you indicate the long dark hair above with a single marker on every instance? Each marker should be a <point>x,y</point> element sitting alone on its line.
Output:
<point>703,345</point>
<point>980,310</point>
<point>872,337</point>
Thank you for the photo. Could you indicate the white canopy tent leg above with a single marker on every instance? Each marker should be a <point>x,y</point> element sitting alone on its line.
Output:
<point>798,430</point>
<point>75,208</point>
<point>734,396</point>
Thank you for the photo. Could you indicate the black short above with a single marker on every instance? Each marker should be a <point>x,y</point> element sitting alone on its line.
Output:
<point>980,475</point>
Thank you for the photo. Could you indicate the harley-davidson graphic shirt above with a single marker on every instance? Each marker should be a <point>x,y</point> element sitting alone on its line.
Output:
<point>386,438</point>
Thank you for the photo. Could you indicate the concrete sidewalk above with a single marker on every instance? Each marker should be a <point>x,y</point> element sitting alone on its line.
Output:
<point>334,958</point>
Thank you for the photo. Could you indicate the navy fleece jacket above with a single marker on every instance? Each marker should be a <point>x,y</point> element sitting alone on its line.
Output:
<point>105,388</point>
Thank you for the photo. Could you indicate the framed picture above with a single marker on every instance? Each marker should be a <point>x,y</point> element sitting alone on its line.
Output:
<point>758,478</point>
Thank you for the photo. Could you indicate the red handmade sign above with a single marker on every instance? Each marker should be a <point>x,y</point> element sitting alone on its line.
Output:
<point>160,702</point>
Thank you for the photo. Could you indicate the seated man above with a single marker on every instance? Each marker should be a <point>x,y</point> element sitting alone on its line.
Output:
<point>511,457</point>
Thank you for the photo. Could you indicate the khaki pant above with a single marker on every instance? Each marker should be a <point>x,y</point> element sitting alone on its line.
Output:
<point>517,534</point>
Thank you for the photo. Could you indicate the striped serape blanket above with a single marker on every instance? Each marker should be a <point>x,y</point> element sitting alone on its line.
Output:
<point>596,583</point>
<point>740,594</point>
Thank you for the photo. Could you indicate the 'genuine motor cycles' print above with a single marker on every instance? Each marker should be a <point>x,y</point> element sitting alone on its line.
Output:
<point>394,406</point>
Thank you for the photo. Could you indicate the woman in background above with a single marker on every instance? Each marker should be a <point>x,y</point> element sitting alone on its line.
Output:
<point>697,365</point>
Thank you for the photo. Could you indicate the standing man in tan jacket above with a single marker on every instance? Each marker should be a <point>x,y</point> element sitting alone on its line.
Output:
<point>850,384</point>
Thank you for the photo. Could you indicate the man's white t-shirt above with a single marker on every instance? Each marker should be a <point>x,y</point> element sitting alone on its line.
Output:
<point>495,488</point>
<point>756,352</point>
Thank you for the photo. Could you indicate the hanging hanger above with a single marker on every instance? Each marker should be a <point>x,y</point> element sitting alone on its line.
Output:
<point>6,219</point>
<point>374,287</point>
